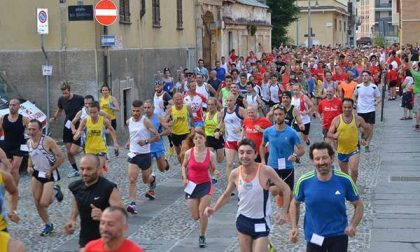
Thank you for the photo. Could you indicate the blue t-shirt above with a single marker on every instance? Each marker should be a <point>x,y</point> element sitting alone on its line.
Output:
<point>325,203</point>
<point>158,145</point>
<point>281,145</point>
<point>220,73</point>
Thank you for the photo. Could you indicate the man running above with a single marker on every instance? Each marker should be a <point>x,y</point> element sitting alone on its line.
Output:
<point>305,106</point>
<point>44,159</point>
<point>140,129</point>
<point>71,104</point>
<point>254,206</point>
<point>196,102</point>
<point>344,129</point>
<point>328,109</point>
<point>14,145</point>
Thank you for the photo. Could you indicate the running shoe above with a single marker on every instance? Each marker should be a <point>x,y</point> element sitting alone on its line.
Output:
<point>202,241</point>
<point>150,194</point>
<point>367,149</point>
<point>152,185</point>
<point>132,208</point>
<point>73,174</point>
<point>167,165</point>
<point>48,229</point>
<point>58,193</point>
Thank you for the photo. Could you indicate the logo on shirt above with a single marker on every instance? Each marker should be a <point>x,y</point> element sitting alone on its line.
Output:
<point>337,192</point>
<point>96,198</point>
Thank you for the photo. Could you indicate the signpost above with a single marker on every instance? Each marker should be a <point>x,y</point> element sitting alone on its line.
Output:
<point>42,29</point>
<point>42,20</point>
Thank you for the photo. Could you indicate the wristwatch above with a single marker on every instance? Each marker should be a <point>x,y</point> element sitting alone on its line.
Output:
<point>146,141</point>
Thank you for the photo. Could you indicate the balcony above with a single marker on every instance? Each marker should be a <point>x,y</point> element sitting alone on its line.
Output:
<point>383,7</point>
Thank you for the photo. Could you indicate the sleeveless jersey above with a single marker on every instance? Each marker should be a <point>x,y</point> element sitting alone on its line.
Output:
<point>95,136</point>
<point>107,106</point>
<point>232,121</point>
<point>275,92</point>
<point>84,114</point>
<point>158,145</point>
<point>348,136</point>
<point>180,120</point>
<point>203,91</point>
<point>299,103</point>
<point>159,105</point>
<point>198,172</point>
<point>290,117</point>
<point>4,241</point>
<point>3,211</point>
<point>41,158</point>
<point>138,132</point>
<point>210,124</point>
<point>225,94</point>
<point>13,132</point>
<point>251,99</point>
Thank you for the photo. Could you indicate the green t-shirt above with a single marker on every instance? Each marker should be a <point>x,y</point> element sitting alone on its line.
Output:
<point>416,77</point>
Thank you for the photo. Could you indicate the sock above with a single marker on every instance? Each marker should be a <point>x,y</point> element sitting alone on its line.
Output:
<point>75,166</point>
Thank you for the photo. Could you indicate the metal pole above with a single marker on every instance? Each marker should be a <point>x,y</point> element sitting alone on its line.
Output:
<point>47,83</point>
<point>309,25</point>
<point>297,32</point>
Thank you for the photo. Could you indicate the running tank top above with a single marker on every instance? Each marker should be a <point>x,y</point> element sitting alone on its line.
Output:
<point>84,114</point>
<point>3,211</point>
<point>4,241</point>
<point>299,103</point>
<point>254,200</point>
<point>348,136</point>
<point>289,116</point>
<point>95,136</point>
<point>225,94</point>
<point>251,99</point>
<point>157,145</point>
<point>180,120</point>
<point>232,121</point>
<point>41,158</point>
<point>106,106</point>
<point>159,105</point>
<point>138,132</point>
<point>203,91</point>
<point>198,172</point>
<point>275,92</point>
<point>210,124</point>
<point>13,132</point>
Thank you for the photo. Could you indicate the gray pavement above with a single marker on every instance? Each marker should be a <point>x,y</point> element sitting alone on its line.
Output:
<point>391,208</point>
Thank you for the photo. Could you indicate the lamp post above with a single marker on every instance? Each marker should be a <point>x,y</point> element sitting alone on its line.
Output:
<point>309,23</point>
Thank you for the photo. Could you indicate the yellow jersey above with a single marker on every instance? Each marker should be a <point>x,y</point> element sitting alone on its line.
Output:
<point>210,124</point>
<point>4,241</point>
<point>3,213</point>
<point>107,106</point>
<point>181,121</point>
<point>348,136</point>
<point>95,136</point>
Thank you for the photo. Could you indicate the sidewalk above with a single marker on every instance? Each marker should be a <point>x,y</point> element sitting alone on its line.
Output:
<point>396,202</point>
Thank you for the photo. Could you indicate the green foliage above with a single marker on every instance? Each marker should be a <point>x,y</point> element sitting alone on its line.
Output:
<point>283,13</point>
<point>252,29</point>
<point>379,41</point>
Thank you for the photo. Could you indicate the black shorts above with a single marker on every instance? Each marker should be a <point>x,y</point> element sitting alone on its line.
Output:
<point>407,101</point>
<point>215,143</point>
<point>68,137</point>
<point>331,244</point>
<point>13,150</point>
<point>200,191</point>
<point>143,161</point>
<point>393,83</point>
<point>288,176</point>
<point>368,117</point>
<point>246,226</point>
<point>114,124</point>
<point>305,131</point>
<point>177,139</point>
<point>55,177</point>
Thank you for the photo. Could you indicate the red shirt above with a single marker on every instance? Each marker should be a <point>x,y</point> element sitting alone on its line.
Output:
<point>329,110</point>
<point>252,133</point>
<point>392,75</point>
<point>339,77</point>
<point>99,246</point>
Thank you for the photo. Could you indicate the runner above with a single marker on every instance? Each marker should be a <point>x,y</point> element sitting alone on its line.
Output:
<point>161,102</point>
<point>13,125</point>
<point>254,205</point>
<point>293,117</point>
<point>44,160</point>
<point>214,137</point>
<point>198,162</point>
<point>140,130</point>
<point>302,102</point>
<point>92,194</point>
<point>109,104</point>
<point>71,104</point>
<point>344,129</point>
<point>328,109</point>
<point>7,243</point>
<point>7,184</point>
<point>195,101</point>
<point>225,91</point>
<point>324,192</point>
<point>346,88</point>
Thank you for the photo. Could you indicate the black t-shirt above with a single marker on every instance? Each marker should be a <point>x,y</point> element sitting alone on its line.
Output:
<point>72,106</point>
<point>98,195</point>
<point>215,83</point>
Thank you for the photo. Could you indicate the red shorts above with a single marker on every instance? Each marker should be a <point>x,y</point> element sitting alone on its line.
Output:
<point>232,145</point>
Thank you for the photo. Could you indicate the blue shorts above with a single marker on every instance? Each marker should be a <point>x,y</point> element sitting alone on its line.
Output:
<point>346,157</point>
<point>198,124</point>
<point>157,154</point>
<point>247,226</point>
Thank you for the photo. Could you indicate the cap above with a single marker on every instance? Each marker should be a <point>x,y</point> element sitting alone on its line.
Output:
<point>287,93</point>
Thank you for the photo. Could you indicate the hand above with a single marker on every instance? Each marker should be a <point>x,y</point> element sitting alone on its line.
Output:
<point>184,182</point>
<point>116,147</point>
<point>336,135</point>
<point>30,170</point>
<point>301,126</point>
<point>209,211</point>
<point>217,174</point>
<point>217,135</point>
<point>70,227</point>
<point>363,142</point>
<point>96,212</point>
<point>76,136</point>
<point>350,231</point>
<point>141,142</point>
<point>12,215</point>
<point>73,131</point>
<point>292,158</point>
<point>52,119</point>
<point>293,235</point>
<point>281,218</point>
<point>48,173</point>
<point>258,128</point>
<point>127,146</point>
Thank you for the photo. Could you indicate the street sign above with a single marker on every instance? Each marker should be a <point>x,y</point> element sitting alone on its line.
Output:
<point>107,40</point>
<point>46,70</point>
<point>42,20</point>
<point>106,12</point>
<point>80,12</point>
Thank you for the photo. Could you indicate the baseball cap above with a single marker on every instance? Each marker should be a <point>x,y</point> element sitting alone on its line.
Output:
<point>287,93</point>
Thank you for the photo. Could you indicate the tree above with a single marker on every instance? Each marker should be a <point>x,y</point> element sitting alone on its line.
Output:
<point>283,13</point>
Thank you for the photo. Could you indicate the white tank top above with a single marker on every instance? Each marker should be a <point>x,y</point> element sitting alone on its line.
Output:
<point>274,93</point>
<point>84,114</point>
<point>296,103</point>
<point>159,104</point>
<point>42,160</point>
<point>232,121</point>
<point>251,99</point>
<point>203,91</point>
<point>254,201</point>
<point>138,132</point>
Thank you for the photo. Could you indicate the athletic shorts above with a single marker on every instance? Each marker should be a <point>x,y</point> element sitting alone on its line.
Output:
<point>198,124</point>
<point>13,151</point>
<point>332,244</point>
<point>201,190</point>
<point>407,101</point>
<point>177,139</point>
<point>288,176</point>
<point>143,161</point>
<point>55,177</point>
<point>305,131</point>
<point>215,143</point>
<point>157,154</point>
<point>231,145</point>
<point>393,83</point>
<point>346,157</point>
<point>255,228</point>
<point>114,124</point>
<point>68,137</point>
<point>368,117</point>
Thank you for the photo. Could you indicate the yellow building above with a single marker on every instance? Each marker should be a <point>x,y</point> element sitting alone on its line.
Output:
<point>329,22</point>
<point>409,21</point>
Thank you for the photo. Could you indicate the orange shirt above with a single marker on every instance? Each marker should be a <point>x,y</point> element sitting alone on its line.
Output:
<point>252,133</point>
<point>348,88</point>
<point>98,246</point>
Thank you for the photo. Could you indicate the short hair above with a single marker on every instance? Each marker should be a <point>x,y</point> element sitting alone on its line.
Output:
<point>137,103</point>
<point>96,104</point>
<point>37,122</point>
<point>349,100</point>
<point>106,86</point>
<point>228,77</point>
<point>273,75</point>
<point>94,157</point>
<point>148,101</point>
<point>65,85</point>
<point>89,97</point>
<point>321,146</point>
<point>366,71</point>
<point>200,60</point>
<point>249,142</point>
<point>118,209</point>
<point>243,75</point>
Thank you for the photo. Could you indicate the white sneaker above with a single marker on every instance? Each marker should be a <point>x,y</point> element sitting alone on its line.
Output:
<point>73,174</point>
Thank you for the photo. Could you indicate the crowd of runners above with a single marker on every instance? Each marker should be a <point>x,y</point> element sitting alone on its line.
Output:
<point>253,113</point>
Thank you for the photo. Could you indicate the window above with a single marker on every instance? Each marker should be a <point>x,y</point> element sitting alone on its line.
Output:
<point>339,22</point>
<point>335,24</point>
<point>143,8</point>
<point>125,11</point>
<point>156,13</point>
<point>179,23</point>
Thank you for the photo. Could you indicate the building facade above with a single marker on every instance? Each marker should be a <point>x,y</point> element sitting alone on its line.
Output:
<point>410,21</point>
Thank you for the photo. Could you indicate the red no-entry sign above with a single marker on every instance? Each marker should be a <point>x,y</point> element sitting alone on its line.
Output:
<point>106,12</point>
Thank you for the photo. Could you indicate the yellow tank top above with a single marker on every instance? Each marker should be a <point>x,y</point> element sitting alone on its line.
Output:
<point>3,223</point>
<point>106,105</point>
<point>348,136</point>
<point>95,136</point>
<point>4,241</point>
<point>210,124</point>
<point>180,121</point>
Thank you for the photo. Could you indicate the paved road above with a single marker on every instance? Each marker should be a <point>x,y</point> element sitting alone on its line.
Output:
<point>164,224</point>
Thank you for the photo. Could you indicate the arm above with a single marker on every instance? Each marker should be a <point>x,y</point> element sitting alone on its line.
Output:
<point>80,129</point>
<point>311,107</point>
<point>357,217</point>
<point>365,128</point>
<point>70,226</point>
<point>184,167</point>
<point>104,114</point>
<point>299,151</point>
<point>75,120</point>
<point>298,119</point>
<point>262,151</point>
<point>111,132</point>
<point>5,161</point>
<point>115,198</point>
<point>12,189</point>
<point>332,132</point>
<point>273,178</point>
<point>1,123</point>
<point>166,129</point>
<point>152,129</point>
<point>211,89</point>
<point>56,114</point>
<point>25,121</point>
<point>225,197</point>
<point>294,211</point>
<point>115,103</point>
<point>54,149</point>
